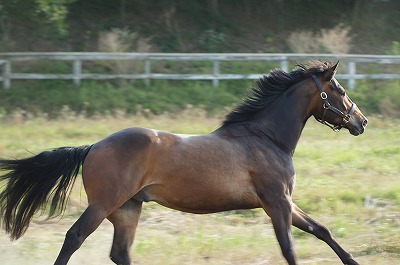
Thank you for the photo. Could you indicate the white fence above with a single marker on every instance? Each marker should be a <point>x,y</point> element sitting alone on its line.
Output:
<point>147,73</point>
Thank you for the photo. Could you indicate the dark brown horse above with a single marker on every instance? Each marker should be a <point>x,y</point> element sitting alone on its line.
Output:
<point>244,164</point>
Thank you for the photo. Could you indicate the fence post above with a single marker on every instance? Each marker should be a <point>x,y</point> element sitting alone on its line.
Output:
<point>352,71</point>
<point>284,64</point>
<point>6,75</point>
<point>77,68</point>
<point>215,81</point>
<point>147,71</point>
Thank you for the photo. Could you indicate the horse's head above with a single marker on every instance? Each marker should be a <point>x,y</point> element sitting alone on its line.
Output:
<point>333,107</point>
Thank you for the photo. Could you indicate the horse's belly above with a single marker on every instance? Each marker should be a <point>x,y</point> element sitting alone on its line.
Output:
<point>202,197</point>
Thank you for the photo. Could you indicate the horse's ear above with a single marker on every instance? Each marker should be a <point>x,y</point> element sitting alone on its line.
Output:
<point>330,73</point>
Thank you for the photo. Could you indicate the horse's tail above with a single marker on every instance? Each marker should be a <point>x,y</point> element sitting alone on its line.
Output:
<point>31,182</point>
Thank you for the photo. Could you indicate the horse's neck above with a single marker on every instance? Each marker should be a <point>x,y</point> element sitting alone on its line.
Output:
<point>284,121</point>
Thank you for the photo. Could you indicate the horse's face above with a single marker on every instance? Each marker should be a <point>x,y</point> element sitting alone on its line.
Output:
<point>336,108</point>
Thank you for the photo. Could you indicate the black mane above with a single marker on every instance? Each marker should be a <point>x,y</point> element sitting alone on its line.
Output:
<point>269,87</point>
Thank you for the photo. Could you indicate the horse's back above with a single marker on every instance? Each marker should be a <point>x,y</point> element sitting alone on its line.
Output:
<point>132,152</point>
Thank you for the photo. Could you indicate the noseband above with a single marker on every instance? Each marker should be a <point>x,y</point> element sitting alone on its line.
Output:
<point>328,106</point>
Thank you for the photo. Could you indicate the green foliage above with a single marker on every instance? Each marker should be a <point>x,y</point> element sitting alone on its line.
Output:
<point>94,98</point>
<point>46,17</point>
<point>56,12</point>
<point>378,96</point>
<point>395,49</point>
<point>194,26</point>
<point>36,97</point>
<point>212,41</point>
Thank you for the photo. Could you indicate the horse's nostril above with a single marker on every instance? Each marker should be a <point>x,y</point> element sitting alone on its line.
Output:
<point>365,123</point>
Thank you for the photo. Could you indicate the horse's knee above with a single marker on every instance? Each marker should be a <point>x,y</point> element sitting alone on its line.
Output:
<point>322,233</point>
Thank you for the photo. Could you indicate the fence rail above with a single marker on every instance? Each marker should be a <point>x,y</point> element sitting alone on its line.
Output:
<point>7,59</point>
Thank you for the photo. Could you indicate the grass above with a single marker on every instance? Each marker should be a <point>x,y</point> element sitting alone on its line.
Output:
<point>92,98</point>
<point>336,173</point>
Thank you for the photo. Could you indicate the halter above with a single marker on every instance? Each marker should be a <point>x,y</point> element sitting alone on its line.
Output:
<point>328,106</point>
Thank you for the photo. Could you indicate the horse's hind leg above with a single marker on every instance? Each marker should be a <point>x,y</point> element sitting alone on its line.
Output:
<point>102,198</point>
<point>82,228</point>
<point>307,224</point>
<point>125,220</point>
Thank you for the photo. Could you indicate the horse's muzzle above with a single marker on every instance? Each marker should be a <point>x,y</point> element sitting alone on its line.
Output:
<point>357,126</point>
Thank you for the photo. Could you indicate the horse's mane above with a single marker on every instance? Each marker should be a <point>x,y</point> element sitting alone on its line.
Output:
<point>269,87</point>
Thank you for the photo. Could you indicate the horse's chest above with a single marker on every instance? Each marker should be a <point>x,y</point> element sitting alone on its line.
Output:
<point>274,174</point>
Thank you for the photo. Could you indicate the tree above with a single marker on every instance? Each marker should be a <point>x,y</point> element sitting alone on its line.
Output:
<point>55,13</point>
<point>47,13</point>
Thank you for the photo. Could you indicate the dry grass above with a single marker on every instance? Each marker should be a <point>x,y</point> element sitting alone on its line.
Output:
<point>122,40</point>
<point>336,40</point>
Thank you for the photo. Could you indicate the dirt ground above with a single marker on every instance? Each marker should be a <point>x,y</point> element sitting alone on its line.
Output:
<point>156,243</point>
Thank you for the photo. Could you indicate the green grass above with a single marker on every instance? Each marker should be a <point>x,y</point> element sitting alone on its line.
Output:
<point>335,173</point>
<point>92,98</point>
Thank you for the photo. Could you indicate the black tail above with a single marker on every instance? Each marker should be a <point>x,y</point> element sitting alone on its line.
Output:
<point>34,181</point>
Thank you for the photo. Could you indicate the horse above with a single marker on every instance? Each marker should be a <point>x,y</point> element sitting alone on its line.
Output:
<point>246,163</point>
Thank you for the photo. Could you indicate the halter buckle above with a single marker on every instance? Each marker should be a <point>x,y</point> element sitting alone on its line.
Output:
<point>346,118</point>
<point>324,96</point>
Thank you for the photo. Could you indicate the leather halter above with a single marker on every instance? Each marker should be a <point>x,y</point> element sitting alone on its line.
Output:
<point>328,106</point>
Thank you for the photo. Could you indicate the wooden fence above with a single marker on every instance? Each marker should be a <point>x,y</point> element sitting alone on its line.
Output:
<point>147,73</point>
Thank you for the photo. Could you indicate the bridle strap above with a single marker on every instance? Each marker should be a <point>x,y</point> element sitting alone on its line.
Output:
<point>328,106</point>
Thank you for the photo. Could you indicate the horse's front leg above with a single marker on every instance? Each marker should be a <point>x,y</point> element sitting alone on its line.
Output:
<point>307,224</point>
<point>280,212</point>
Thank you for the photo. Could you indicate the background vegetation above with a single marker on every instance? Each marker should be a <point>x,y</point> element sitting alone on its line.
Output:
<point>341,26</point>
<point>197,25</point>
<point>50,99</point>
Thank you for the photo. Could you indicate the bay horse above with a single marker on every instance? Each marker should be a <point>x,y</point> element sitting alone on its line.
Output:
<point>246,163</point>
